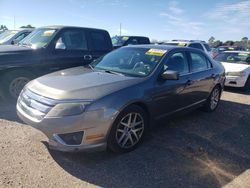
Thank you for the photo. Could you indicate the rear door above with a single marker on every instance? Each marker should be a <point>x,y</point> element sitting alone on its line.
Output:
<point>200,81</point>
<point>99,43</point>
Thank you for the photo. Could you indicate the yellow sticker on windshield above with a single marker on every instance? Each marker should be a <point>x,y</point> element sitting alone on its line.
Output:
<point>231,48</point>
<point>48,33</point>
<point>156,52</point>
<point>244,53</point>
<point>124,38</point>
<point>182,44</point>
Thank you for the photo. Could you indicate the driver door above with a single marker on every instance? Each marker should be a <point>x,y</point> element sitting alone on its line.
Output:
<point>71,50</point>
<point>171,95</point>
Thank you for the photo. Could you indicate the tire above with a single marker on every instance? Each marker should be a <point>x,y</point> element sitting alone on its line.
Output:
<point>13,83</point>
<point>247,84</point>
<point>213,100</point>
<point>124,138</point>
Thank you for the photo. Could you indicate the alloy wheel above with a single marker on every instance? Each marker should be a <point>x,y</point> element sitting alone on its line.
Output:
<point>215,97</point>
<point>130,130</point>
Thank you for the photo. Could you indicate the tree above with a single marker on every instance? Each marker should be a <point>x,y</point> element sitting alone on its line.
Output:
<point>28,26</point>
<point>217,43</point>
<point>244,39</point>
<point>229,43</point>
<point>211,41</point>
<point>3,27</point>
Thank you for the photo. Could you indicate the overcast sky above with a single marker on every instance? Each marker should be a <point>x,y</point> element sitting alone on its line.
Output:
<point>158,19</point>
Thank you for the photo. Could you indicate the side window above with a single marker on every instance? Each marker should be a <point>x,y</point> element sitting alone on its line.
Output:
<point>73,40</point>
<point>99,41</point>
<point>177,62</point>
<point>132,41</point>
<point>196,45</point>
<point>144,40</point>
<point>22,36</point>
<point>198,62</point>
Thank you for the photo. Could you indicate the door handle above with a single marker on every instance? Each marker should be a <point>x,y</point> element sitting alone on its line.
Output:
<point>87,57</point>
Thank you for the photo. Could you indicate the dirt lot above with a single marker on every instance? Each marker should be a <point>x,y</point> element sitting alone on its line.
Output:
<point>195,150</point>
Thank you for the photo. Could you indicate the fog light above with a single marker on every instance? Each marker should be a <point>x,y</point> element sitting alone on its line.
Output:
<point>72,138</point>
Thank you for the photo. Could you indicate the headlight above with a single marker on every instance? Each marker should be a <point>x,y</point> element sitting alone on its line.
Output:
<point>236,73</point>
<point>67,109</point>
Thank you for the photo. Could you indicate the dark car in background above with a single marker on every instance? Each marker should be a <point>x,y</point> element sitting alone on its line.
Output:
<point>14,36</point>
<point>119,41</point>
<point>46,50</point>
<point>112,102</point>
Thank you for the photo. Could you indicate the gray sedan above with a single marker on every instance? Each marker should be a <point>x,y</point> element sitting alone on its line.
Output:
<point>114,101</point>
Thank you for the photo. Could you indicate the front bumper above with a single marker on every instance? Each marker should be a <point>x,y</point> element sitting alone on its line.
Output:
<point>235,81</point>
<point>94,124</point>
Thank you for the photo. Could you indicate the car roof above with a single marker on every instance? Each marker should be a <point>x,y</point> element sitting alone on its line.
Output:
<point>133,36</point>
<point>153,46</point>
<point>69,27</point>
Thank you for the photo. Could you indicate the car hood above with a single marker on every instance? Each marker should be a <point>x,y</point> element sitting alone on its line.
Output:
<point>79,83</point>
<point>4,49</point>
<point>233,67</point>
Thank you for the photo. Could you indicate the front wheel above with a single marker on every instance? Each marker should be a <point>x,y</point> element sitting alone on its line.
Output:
<point>128,130</point>
<point>14,82</point>
<point>247,84</point>
<point>213,100</point>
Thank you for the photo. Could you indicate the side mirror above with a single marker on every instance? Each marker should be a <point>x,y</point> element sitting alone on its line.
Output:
<point>60,46</point>
<point>14,42</point>
<point>170,75</point>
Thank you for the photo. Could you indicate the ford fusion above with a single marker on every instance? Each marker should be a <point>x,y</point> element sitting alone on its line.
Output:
<point>237,65</point>
<point>112,102</point>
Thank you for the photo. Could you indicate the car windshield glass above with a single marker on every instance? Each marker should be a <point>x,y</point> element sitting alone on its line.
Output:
<point>39,38</point>
<point>6,35</point>
<point>119,40</point>
<point>137,62</point>
<point>234,57</point>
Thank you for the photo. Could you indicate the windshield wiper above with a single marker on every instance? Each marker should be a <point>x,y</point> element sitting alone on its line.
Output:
<point>91,67</point>
<point>24,44</point>
<point>113,72</point>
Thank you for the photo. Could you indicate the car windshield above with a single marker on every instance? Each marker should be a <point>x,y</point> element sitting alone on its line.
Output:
<point>119,40</point>
<point>234,57</point>
<point>6,35</point>
<point>39,38</point>
<point>136,62</point>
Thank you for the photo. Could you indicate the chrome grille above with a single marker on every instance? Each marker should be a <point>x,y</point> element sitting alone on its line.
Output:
<point>34,105</point>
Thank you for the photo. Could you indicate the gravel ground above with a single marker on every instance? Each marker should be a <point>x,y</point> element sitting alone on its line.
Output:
<point>194,150</point>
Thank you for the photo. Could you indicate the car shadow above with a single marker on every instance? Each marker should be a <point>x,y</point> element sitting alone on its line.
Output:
<point>237,90</point>
<point>195,150</point>
<point>8,110</point>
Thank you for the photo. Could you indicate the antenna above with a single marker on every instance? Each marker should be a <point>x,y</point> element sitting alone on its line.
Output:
<point>120,29</point>
<point>14,22</point>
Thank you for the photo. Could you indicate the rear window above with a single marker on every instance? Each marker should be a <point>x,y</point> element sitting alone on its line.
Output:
<point>199,62</point>
<point>207,47</point>
<point>100,41</point>
<point>176,43</point>
<point>143,40</point>
<point>197,46</point>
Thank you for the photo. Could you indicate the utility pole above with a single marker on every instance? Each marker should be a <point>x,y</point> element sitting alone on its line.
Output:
<point>120,29</point>
<point>14,22</point>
